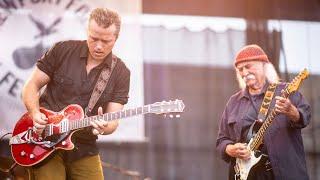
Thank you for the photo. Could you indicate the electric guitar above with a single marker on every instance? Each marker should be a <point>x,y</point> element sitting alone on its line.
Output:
<point>242,167</point>
<point>29,148</point>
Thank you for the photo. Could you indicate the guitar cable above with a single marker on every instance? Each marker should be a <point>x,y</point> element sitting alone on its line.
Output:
<point>9,170</point>
<point>2,137</point>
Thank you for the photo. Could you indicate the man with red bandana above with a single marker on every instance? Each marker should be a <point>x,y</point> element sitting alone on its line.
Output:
<point>282,143</point>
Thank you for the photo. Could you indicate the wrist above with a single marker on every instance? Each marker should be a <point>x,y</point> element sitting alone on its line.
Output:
<point>295,115</point>
<point>34,112</point>
<point>227,150</point>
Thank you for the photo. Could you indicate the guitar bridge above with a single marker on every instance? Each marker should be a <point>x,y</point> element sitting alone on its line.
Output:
<point>55,139</point>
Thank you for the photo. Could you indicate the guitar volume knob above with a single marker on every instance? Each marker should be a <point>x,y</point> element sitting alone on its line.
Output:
<point>31,156</point>
<point>22,153</point>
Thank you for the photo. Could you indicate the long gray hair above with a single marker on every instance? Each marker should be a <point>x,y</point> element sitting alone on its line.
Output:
<point>269,71</point>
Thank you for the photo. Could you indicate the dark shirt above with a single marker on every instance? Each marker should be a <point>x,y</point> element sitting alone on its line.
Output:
<point>282,139</point>
<point>65,64</point>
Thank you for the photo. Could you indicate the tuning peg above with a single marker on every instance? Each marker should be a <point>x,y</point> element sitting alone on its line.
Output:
<point>178,116</point>
<point>171,116</point>
<point>164,115</point>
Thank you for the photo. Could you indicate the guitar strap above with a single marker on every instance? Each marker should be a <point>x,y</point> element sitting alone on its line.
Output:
<point>264,108</point>
<point>265,105</point>
<point>100,86</point>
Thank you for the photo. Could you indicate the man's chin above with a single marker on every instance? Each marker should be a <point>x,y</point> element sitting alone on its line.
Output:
<point>250,83</point>
<point>98,57</point>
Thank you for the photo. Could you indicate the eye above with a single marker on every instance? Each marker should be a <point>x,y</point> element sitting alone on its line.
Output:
<point>240,69</point>
<point>93,38</point>
<point>248,66</point>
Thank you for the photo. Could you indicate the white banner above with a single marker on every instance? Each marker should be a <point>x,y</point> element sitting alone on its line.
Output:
<point>28,28</point>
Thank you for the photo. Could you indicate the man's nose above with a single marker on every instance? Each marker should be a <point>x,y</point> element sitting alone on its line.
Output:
<point>98,46</point>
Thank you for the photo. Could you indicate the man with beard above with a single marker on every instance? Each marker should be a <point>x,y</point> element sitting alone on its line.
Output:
<point>282,143</point>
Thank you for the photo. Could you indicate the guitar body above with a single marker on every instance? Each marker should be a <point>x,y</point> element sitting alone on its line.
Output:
<point>33,148</point>
<point>243,167</point>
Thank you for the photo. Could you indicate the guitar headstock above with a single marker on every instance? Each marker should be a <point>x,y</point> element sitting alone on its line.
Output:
<point>167,107</point>
<point>295,83</point>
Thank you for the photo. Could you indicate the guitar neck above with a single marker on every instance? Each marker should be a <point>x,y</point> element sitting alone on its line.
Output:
<point>66,126</point>
<point>257,139</point>
<point>85,122</point>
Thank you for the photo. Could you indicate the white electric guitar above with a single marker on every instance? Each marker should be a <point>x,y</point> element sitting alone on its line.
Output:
<point>243,167</point>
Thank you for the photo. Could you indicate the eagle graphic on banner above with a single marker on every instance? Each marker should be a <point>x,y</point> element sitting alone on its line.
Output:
<point>26,57</point>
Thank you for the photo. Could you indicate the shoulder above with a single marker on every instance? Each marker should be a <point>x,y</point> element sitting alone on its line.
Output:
<point>121,66</point>
<point>65,45</point>
<point>237,96</point>
<point>234,99</point>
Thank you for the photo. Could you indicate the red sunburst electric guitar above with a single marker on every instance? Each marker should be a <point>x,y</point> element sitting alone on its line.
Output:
<point>29,148</point>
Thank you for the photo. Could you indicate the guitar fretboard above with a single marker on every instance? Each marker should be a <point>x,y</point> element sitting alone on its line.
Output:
<point>257,140</point>
<point>66,125</point>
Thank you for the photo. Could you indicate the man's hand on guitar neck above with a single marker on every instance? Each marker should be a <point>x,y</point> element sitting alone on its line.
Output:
<point>285,106</point>
<point>100,125</point>
<point>238,150</point>
<point>39,121</point>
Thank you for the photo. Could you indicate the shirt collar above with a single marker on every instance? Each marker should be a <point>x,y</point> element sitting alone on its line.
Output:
<point>84,52</point>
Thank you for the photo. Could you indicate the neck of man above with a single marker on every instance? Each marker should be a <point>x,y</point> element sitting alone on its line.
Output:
<point>94,62</point>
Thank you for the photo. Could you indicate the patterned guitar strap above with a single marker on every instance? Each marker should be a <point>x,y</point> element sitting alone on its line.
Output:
<point>265,106</point>
<point>100,86</point>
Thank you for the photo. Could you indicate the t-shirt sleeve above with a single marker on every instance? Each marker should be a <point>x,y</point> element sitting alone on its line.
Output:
<point>50,60</point>
<point>121,90</point>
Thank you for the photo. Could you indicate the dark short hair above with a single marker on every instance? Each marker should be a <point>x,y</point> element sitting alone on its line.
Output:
<point>105,18</point>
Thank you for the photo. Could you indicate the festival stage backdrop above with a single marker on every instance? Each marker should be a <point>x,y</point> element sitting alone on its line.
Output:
<point>29,28</point>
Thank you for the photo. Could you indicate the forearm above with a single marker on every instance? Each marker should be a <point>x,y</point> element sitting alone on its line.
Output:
<point>302,111</point>
<point>112,126</point>
<point>293,114</point>
<point>30,97</point>
<point>221,146</point>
